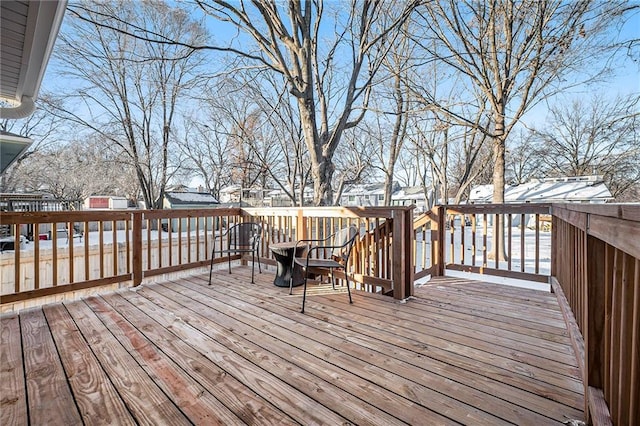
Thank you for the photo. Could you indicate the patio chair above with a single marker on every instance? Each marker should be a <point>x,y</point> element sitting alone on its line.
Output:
<point>332,255</point>
<point>241,238</point>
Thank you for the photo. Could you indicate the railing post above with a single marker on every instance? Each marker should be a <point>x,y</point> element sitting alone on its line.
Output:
<point>438,242</point>
<point>137,248</point>
<point>408,251</point>
<point>301,229</point>
<point>402,253</point>
<point>399,289</point>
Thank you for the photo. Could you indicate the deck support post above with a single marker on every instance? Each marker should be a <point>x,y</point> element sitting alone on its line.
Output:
<point>402,243</point>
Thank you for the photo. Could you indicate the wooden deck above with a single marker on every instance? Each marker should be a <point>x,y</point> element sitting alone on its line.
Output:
<point>184,353</point>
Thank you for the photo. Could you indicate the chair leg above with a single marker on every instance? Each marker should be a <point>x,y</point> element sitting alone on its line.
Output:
<point>304,292</point>
<point>211,268</point>
<point>253,265</point>
<point>259,266</point>
<point>346,275</point>
<point>229,262</point>
<point>291,278</point>
<point>333,283</point>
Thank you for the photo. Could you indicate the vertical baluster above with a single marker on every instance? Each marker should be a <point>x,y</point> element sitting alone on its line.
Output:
<point>36,256</point>
<point>85,235</point>
<point>523,229</point>
<point>497,238</point>
<point>101,248</point>
<point>509,251</point>
<point>537,245</point>
<point>69,226</point>
<point>114,246</point>
<point>473,239</point>
<point>462,236</point>
<point>54,253</point>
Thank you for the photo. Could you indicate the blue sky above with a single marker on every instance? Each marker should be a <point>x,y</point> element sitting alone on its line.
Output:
<point>625,79</point>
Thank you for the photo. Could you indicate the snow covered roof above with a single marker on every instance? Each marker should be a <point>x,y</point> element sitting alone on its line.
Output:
<point>566,189</point>
<point>364,189</point>
<point>481,193</point>
<point>408,192</point>
<point>182,198</point>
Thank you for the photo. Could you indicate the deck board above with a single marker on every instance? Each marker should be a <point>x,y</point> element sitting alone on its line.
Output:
<point>50,399</point>
<point>95,396</point>
<point>182,352</point>
<point>13,402</point>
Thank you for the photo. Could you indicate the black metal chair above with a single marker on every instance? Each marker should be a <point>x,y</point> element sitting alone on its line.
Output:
<point>328,257</point>
<point>241,238</point>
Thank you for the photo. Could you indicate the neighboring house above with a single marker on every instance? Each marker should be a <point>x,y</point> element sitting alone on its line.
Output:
<point>254,197</point>
<point>578,189</point>
<point>105,202</point>
<point>278,198</point>
<point>410,195</point>
<point>371,194</point>
<point>188,200</point>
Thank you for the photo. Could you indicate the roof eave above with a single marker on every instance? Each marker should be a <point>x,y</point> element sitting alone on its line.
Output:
<point>43,24</point>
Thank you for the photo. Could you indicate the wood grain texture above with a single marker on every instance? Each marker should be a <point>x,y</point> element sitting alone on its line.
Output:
<point>181,352</point>
<point>13,397</point>
<point>144,399</point>
<point>48,393</point>
<point>94,394</point>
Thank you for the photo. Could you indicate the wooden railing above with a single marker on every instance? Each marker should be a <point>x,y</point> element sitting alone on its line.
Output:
<point>590,255</point>
<point>460,237</point>
<point>381,260</point>
<point>596,274</point>
<point>86,249</point>
<point>83,250</point>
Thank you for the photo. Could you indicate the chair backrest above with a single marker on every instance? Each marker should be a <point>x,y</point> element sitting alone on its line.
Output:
<point>244,235</point>
<point>343,243</point>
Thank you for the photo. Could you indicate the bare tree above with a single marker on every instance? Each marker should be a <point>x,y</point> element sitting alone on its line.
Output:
<point>515,54</point>
<point>392,104</point>
<point>594,137</point>
<point>206,154</point>
<point>512,55</point>
<point>471,158</point>
<point>128,89</point>
<point>75,170</point>
<point>353,161</point>
<point>329,75</point>
<point>523,161</point>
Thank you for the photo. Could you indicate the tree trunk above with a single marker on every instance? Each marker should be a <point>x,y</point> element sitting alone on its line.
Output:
<point>497,246</point>
<point>322,174</point>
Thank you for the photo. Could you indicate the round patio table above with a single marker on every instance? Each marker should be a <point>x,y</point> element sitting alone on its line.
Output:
<point>283,254</point>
